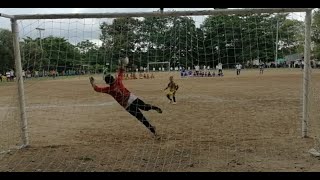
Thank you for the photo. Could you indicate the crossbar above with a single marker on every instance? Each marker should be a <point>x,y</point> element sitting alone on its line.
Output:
<point>159,62</point>
<point>6,16</point>
<point>160,14</point>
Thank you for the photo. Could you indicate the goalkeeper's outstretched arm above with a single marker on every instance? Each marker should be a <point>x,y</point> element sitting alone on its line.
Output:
<point>97,88</point>
<point>120,73</point>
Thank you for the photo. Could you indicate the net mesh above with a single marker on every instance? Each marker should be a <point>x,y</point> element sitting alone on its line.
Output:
<point>246,122</point>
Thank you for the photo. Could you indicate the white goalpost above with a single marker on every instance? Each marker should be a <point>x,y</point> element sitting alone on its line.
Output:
<point>82,45</point>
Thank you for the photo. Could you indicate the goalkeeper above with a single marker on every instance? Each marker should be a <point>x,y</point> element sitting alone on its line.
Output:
<point>125,98</point>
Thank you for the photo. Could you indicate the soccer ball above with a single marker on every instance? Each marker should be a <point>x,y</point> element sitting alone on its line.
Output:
<point>124,61</point>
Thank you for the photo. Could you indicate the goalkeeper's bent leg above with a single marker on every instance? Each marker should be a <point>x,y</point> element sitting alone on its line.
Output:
<point>134,110</point>
<point>145,107</point>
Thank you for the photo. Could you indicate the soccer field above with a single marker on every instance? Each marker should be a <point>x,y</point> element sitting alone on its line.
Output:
<point>249,122</point>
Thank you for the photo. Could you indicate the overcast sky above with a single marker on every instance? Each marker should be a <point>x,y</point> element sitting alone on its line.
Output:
<point>78,29</point>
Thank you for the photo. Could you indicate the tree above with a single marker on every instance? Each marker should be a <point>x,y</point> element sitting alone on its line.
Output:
<point>120,37</point>
<point>57,53</point>
<point>167,39</point>
<point>291,35</point>
<point>316,33</point>
<point>227,39</point>
<point>6,51</point>
<point>231,39</point>
<point>85,46</point>
<point>89,52</point>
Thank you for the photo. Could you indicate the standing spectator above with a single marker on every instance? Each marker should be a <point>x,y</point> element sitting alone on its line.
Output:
<point>28,74</point>
<point>261,65</point>
<point>36,74</point>
<point>23,75</point>
<point>197,68</point>
<point>219,67</point>
<point>11,75</point>
<point>53,74</point>
<point>238,67</point>
<point>8,76</point>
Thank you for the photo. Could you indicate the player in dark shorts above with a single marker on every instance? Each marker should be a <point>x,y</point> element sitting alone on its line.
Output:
<point>261,66</point>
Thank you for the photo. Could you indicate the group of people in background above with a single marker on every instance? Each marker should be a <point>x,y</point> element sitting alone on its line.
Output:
<point>205,72</point>
<point>202,73</point>
<point>132,75</point>
<point>8,76</point>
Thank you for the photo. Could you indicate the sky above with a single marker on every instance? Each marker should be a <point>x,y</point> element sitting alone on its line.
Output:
<point>77,30</point>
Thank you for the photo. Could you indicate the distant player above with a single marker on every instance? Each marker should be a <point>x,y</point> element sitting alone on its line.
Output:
<point>126,76</point>
<point>11,75</point>
<point>219,67</point>
<point>197,68</point>
<point>23,75</point>
<point>261,66</point>
<point>8,76</point>
<point>238,67</point>
<point>125,98</point>
<point>173,87</point>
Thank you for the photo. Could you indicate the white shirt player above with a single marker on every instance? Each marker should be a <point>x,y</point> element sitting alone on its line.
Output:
<point>197,68</point>
<point>238,66</point>
<point>220,66</point>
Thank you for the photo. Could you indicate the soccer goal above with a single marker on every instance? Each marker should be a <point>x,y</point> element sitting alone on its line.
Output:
<point>158,66</point>
<point>51,105</point>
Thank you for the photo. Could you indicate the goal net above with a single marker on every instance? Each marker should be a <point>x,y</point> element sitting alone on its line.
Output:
<point>246,120</point>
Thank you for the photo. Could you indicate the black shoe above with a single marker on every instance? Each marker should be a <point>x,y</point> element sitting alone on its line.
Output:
<point>158,110</point>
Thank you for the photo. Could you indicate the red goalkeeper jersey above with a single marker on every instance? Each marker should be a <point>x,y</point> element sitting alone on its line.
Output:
<point>117,90</point>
